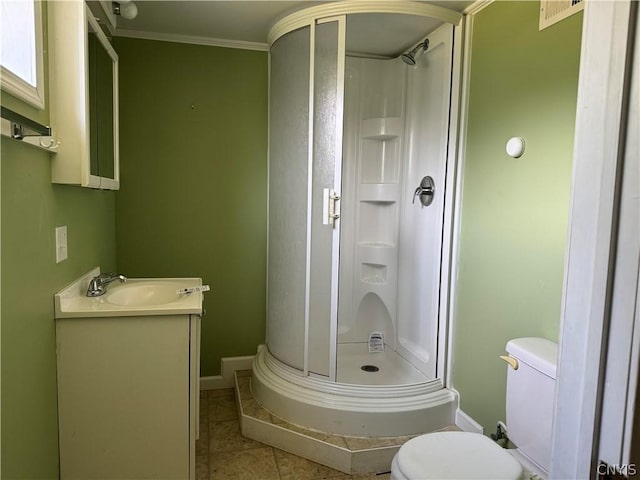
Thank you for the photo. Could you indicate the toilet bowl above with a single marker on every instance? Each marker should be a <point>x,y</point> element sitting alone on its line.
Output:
<point>454,455</point>
<point>462,455</point>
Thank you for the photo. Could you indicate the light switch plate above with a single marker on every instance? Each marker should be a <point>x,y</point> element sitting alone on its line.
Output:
<point>61,244</point>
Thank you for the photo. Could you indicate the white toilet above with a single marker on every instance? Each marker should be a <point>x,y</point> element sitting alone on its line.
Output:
<point>463,455</point>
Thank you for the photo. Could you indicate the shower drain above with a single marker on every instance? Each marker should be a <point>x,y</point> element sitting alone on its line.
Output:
<point>369,368</point>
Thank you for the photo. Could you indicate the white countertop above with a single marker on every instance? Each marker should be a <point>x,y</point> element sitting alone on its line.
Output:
<point>72,302</point>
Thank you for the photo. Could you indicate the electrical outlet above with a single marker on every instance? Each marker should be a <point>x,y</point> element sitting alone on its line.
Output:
<point>61,244</point>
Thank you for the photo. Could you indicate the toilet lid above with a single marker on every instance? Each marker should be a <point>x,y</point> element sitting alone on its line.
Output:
<point>456,455</point>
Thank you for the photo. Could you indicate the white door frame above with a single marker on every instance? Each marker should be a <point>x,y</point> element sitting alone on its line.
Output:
<point>598,158</point>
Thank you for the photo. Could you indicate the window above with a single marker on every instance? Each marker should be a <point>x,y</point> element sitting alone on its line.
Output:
<point>21,53</point>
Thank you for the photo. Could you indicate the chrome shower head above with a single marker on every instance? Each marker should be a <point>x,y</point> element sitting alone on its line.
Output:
<point>410,57</point>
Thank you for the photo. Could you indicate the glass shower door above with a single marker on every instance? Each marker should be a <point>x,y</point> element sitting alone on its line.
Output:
<point>288,184</point>
<point>328,99</point>
<point>305,154</point>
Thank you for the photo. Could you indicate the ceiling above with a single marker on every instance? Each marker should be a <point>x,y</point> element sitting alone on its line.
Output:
<point>246,24</point>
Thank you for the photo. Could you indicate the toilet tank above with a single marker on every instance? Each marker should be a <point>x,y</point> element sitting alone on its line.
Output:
<point>530,396</point>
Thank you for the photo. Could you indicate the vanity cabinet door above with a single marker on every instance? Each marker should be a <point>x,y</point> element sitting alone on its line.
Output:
<point>83,77</point>
<point>124,397</point>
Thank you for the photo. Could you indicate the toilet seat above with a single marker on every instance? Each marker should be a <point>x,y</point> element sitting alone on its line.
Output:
<point>454,455</point>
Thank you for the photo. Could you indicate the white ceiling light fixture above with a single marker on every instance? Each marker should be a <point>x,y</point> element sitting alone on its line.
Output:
<point>126,9</point>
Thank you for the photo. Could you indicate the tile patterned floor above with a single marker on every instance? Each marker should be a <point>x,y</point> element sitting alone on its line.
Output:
<point>252,408</point>
<point>222,453</point>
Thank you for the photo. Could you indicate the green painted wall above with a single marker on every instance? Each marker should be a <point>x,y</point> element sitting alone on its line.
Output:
<point>192,201</point>
<point>515,211</point>
<point>30,209</point>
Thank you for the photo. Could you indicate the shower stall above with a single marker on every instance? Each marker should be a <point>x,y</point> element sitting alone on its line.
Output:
<point>361,147</point>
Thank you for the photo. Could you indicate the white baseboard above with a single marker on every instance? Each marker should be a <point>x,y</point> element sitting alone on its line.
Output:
<point>228,366</point>
<point>467,424</point>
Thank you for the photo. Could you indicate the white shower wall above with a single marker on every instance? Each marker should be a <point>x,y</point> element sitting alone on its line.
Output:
<point>395,132</point>
<point>372,151</point>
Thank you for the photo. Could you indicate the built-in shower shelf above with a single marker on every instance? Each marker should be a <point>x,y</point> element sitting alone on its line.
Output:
<point>380,161</point>
<point>373,273</point>
<point>382,129</point>
<point>374,280</point>
<point>377,253</point>
<point>379,192</point>
<point>376,245</point>
<point>381,201</point>
<point>381,137</point>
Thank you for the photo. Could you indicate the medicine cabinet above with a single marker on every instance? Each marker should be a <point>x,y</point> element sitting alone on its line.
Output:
<point>83,78</point>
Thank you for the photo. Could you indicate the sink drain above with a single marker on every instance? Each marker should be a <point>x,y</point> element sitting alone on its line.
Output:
<point>369,368</point>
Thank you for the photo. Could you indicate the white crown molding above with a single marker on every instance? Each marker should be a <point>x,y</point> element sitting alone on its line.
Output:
<point>195,40</point>
<point>476,6</point>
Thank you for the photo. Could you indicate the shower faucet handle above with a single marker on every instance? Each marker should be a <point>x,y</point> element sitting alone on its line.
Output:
<point>425,191</point>
<point>421,191</point>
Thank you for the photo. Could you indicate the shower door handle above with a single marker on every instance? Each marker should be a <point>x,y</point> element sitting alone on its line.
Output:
<point>329,208</point>
<point>425,191</point>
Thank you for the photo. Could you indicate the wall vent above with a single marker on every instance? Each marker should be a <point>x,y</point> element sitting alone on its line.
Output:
<point>552,11</point>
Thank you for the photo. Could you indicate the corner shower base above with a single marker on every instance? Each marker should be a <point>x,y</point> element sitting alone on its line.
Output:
<point>393,370</point>
<point>351,409</point>
<point>352,455</point>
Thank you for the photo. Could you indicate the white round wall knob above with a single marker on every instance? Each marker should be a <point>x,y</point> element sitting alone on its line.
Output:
<point>515,147</point>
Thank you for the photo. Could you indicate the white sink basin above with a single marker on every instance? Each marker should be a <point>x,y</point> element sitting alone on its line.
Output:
<point>143,293</point>
<point>135,297</point>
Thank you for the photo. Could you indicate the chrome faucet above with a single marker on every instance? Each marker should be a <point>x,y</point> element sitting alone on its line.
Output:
<point>98,285</point>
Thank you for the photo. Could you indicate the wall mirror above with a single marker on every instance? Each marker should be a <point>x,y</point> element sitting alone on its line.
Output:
<point>102,85</point>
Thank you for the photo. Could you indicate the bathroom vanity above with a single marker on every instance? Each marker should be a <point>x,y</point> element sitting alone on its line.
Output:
<point>128,379</point>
